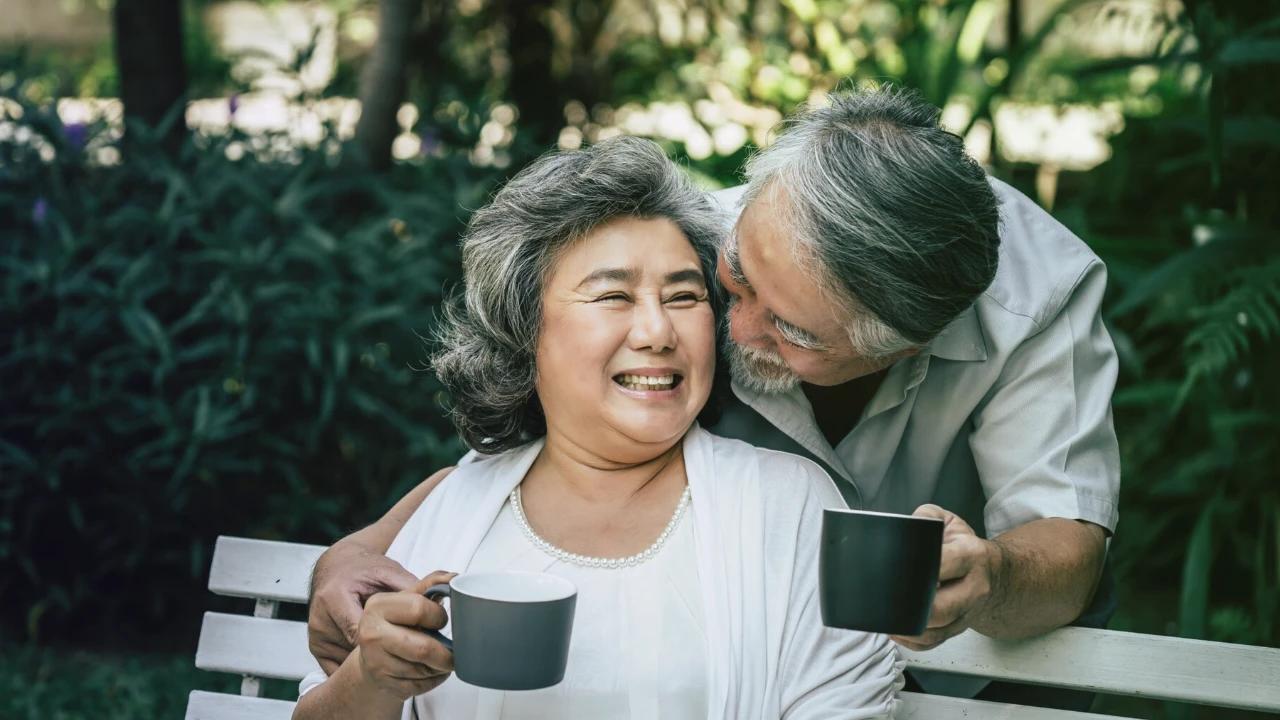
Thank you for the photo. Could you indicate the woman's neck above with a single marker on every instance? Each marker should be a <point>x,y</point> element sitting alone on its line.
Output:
<point>594,477</point>
<point>584,502</point>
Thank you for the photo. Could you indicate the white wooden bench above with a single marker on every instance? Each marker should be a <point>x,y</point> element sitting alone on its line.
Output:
<point>1105,661</point>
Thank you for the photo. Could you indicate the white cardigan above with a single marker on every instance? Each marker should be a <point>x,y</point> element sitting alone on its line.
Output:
<point>757,523</point>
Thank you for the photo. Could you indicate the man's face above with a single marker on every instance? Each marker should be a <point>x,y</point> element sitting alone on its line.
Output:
<point>784,330</point>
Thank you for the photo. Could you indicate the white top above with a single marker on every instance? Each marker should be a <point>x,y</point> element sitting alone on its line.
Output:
<point>638,648</point>
<point>756,522</point>
<point>1003,419</point>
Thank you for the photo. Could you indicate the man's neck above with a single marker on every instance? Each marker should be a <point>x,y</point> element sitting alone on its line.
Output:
<point>837,408</point>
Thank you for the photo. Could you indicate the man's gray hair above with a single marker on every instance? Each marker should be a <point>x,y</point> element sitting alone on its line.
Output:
<point>890,217</point>
<point>487,342</point>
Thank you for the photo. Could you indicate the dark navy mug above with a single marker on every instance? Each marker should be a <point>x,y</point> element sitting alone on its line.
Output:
<point>878,572</point>
<point>511,630</point>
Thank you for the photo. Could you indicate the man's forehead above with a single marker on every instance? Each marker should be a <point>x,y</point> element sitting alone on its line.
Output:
<point>768,259</point>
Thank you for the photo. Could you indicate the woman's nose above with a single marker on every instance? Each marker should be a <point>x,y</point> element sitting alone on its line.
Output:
<point>652,328</point>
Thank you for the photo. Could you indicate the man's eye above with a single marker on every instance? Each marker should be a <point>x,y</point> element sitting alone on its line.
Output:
<point>684,298</point>
<point>614,296</point>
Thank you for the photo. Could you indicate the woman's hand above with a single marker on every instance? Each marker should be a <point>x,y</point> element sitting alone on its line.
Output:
<point>345,578</point>
<point>394,655</point>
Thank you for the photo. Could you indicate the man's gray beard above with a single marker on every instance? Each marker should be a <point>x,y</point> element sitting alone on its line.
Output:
<point>759,370</point>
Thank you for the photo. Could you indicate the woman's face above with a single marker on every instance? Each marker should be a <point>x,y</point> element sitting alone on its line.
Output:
<point>627,349</point>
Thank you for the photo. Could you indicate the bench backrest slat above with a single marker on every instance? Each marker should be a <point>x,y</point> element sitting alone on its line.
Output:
<point>918,706</point>
<point>216,706</point>
<point>1196,671</point>
<point>262,569</point>
<point>262,647</point>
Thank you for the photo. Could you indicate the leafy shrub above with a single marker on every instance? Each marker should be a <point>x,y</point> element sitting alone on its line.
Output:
<point>201,347</point>
<point>44,684</point>
<point>1186,218</point>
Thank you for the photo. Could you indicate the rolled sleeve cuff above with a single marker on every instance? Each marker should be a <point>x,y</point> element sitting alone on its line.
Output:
<point>1074,506</point>
<point>311,682</point>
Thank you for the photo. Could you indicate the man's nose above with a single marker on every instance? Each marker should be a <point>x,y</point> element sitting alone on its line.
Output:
<point>744,325</point>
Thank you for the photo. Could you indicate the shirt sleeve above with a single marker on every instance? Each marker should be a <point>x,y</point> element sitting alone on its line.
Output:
<point>824,672</point>
<point>311,682</point>
<point>1044,442</point>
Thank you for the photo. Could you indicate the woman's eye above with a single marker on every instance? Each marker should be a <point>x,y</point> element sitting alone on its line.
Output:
<point>684,298</point>
<point>612,297</point>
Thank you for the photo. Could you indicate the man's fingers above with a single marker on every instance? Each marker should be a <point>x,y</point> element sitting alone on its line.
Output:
<point>329,655</point>
<point>389,575</point>
<point>956,562</point>
<point>348,618</point>
<point>932,637</point>
<point>932,511</point>
<point>328,666</point>
<point>949,605</point>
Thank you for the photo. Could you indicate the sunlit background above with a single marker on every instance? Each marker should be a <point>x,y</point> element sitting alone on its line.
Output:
<point>221,256</point>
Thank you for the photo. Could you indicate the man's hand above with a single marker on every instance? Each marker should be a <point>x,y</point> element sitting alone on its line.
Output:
<point>968,581</point>
<point>345,577</point>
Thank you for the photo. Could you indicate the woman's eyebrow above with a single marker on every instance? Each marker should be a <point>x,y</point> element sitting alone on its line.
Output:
<point>688,275</point>
<point>622,275</point>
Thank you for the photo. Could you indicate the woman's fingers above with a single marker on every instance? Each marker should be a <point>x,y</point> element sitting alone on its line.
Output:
<point>400,678</point>
<point>410,688</point>
<point>392,664</point>
<point>409,609</point>
<point>435,578</point>
<point>415,646</point>
<point>393,623</point>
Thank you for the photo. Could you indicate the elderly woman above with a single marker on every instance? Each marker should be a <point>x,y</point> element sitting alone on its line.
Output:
<point>579,360</point>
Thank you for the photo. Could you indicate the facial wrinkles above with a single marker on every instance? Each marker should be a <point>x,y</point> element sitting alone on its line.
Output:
<point>802,339</point>
<point>733,261</point>
<point>790,333</point>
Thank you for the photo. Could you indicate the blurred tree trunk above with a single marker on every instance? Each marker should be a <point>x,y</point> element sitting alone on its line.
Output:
<point>548,71</point>
<point>152,66</point>
<point>382,81</point>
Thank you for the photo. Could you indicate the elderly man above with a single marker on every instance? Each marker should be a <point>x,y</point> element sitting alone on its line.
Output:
<point>933,339</point>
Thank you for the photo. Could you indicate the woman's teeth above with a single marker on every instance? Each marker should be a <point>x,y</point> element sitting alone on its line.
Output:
<point>647,382</point>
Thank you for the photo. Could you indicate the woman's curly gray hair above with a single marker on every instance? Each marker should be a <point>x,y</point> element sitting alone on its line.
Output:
<point>487,342</point>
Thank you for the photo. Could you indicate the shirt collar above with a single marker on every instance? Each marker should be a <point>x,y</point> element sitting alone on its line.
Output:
<point>962,339</point>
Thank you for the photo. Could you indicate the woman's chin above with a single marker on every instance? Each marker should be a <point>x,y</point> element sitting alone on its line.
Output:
<point>658,429</point>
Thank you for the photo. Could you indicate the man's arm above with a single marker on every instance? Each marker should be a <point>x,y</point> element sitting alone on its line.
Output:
<point>1034,578</point>
<point>1047,455</point>
<point>355,568</point>
<point>380,535</point>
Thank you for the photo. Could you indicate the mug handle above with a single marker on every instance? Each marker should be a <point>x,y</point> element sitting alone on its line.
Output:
<point>433,592</point>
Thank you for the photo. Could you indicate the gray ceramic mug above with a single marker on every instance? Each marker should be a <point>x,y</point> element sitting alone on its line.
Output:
<point>510,629</point>
<point>878,572</point>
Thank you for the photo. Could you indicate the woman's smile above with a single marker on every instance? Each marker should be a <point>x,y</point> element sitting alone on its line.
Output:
<point>649,383</point>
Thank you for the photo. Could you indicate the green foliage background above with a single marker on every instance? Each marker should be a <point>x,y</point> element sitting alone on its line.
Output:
<point>202,346</point>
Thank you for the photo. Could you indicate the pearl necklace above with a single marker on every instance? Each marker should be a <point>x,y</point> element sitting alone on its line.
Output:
<point>596,562</point>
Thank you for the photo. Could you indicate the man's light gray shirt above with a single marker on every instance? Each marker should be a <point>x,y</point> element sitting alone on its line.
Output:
<point>1004,418</point>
